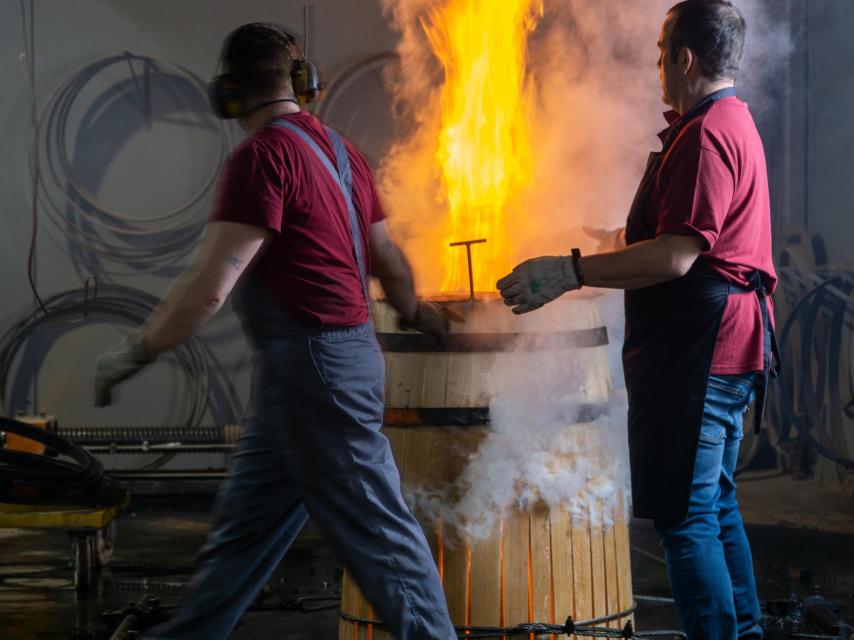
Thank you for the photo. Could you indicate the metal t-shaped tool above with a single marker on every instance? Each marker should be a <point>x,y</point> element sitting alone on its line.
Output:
<point>468,244</point>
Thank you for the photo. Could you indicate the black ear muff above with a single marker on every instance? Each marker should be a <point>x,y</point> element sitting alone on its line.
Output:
<point>306,81</point>
<point>225,97</point>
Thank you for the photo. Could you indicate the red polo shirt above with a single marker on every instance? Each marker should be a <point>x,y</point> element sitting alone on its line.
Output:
<point>713,184</point>
<point>274,180</point>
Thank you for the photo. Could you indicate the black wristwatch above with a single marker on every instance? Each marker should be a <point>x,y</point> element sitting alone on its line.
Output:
<point>576,264</point>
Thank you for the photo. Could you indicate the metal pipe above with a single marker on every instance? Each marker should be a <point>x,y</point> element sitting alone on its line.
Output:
<point>114,435</point>
<point>305,15</point>
<point>161,448</point>
<point>139,616</point>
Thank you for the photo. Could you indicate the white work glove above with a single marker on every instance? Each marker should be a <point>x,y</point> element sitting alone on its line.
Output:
<point>117,365</point>
<point>609,239</point>
<point>538,281</point>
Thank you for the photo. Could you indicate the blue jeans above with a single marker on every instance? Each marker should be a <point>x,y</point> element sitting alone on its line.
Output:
<point>312,447</point>
<point>708,556</point>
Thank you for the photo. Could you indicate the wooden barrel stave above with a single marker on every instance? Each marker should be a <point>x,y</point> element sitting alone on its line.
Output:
<point>542,565</point>
<point>552,569</point>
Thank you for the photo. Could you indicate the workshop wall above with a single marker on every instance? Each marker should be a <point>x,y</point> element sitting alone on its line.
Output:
<point>133,139</point>
<point>140,150</point>
<point>814,176</point>
<point>828,133</point>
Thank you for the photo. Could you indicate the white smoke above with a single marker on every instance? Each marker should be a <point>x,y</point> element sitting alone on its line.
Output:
<point>557,437</point>
<point>597,114</point>
<point>536,450</point>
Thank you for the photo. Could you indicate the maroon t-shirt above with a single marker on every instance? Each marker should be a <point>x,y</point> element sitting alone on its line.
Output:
<point>274,180</point>
<point>713,184</point>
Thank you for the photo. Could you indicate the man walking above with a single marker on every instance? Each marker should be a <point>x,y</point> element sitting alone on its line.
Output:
<point>695,261</point>
<point>299,219</point>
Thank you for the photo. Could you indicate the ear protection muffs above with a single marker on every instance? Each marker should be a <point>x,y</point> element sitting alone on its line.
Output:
<point>225,97</point>
<point>228,98</point>
<point>306,81</point>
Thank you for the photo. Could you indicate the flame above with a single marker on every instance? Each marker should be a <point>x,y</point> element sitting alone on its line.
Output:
<point>484,146</point>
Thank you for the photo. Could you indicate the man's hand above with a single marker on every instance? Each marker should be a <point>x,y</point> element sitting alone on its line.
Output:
<point>432,319</point>
<point>608,239</point>
<point>538,281</point>
<point>118,364</point>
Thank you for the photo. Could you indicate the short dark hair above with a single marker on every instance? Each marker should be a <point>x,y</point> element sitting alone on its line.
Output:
<point>260,56</point>
<point>714,30</point>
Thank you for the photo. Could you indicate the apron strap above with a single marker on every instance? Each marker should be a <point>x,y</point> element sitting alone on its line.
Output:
<point>703,105</point>
<point>636,228</point>
<point>343,177</point>
<point>771,363</point>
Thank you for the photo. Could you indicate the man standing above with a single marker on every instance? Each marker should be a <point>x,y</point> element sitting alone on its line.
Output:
<point>298,217</point>
<point>695,261</point>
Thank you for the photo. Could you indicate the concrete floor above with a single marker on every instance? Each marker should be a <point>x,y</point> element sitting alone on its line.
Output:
<point>802,536</point>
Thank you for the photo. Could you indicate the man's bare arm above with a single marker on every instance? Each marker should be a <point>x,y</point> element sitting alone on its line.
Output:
<point>226,251</point>
<point>391,267</point>
<point>642,264</point>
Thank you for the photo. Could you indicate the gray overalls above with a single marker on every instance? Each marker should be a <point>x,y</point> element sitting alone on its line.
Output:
<point>311,447</point>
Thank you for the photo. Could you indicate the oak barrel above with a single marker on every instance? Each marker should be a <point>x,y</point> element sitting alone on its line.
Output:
<point>539,564</point>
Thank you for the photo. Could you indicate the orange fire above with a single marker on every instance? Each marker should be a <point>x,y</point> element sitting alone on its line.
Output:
<point>484,146</point>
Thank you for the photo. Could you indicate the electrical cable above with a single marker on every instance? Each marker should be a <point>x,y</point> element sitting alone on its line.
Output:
<point>141,243</point>
<point>649,555</point>
<point>359,104</point>
<point>206,390</point>
<point>821,315</point>
<point>304,604</point>
<point>584,628</point>
<point>29,478</point>
<point>654,599</point>
<point>57,115</point>
<point>35,174</point>
<point>160,461</point>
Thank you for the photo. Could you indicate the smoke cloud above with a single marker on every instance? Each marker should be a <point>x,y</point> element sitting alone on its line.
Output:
<point>540,448</point>
<point>598,109</point>
<point>596,115</point>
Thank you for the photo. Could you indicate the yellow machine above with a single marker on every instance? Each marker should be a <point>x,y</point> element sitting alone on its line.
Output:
<point>91,528</point>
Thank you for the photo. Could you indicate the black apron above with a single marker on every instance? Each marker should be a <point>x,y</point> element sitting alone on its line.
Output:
<point>671,332</point>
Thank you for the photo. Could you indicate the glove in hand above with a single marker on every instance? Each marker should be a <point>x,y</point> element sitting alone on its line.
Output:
<point>117,365</point>
<point>538,281</point>
<point>433,319</point>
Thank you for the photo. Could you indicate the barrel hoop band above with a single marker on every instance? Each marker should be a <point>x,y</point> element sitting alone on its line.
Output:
<point>469,416</point>
<point>581,628</point>
<point>488,342</point>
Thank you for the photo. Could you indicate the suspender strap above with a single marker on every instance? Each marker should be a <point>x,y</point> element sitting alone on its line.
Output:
<point>343,177</point>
